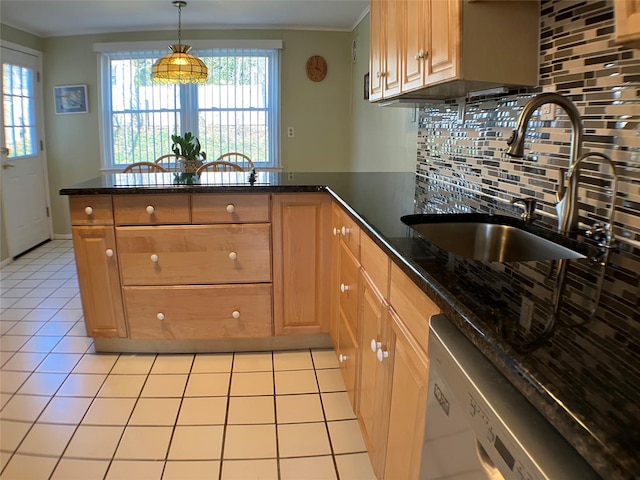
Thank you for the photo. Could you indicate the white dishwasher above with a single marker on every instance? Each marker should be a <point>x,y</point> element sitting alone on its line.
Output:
<point>478,426</point>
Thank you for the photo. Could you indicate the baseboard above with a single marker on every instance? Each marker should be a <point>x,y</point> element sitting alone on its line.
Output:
<point>62,236</point>
<point>6,262</point>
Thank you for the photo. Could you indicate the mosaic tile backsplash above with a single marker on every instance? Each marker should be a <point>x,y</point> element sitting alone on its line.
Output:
<point>466,169</point>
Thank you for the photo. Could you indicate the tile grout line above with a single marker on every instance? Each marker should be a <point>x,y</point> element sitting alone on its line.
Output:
<point>226,416</point>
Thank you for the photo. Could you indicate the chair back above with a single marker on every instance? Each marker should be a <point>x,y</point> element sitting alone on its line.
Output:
<point>171,162</point>
<point>237,158</point>
<point>144,167</point>
<point>220,167</point>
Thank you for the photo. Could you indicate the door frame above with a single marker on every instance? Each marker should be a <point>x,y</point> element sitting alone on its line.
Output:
<point>40,124</point>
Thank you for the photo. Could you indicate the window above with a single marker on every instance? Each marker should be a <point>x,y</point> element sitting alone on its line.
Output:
<point>234,111</point>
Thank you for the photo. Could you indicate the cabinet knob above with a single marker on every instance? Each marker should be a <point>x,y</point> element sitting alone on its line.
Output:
<point>108,252</point>
<point>88,210</point>
<point>233,256</point>
<point>344,287</point>
<point>381,354</point>
<point>375,345</point>
<point>421,54</point>
<point>342,358</point>
<point>336,231</point>
<point>150,210</point>
<point>345,231</point>
<point>235,314</point>
<point>154,258</point>
<point>231,208</point>
<point>160,316</point>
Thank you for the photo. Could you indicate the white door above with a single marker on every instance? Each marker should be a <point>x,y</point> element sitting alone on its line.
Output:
<point>25,192</point>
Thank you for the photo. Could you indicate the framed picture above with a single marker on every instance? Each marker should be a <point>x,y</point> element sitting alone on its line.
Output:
<point>71,99</point>
<point>366,86</point>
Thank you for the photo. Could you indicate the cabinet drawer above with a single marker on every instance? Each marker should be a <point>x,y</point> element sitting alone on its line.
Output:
<point>348,287</point>
<point>91,210</point>
<point>229,208</point>
<point>376,263</point>
<point>350,233</point>
<point>412,305</point>
<point>198,254</point>
<point>348,359</point>
<point>151,209</point>
<point>203,312</point>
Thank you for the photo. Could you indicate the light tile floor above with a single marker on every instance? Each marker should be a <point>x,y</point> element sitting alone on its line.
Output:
<point>69,413</point>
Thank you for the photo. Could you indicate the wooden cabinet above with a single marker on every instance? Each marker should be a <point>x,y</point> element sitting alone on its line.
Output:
<point>448,49</point>
<point>430,46</point>
<point>376,362</point>
<point>302,249</point>
<point>195,254</point>
<point>94,244</point>
<point>627,14</point>
<point>199,312</point>
<point>384,64</point>
<point>99,280</point>
<point>408,405</point>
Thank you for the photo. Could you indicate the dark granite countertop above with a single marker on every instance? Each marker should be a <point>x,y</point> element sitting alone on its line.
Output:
<point>580,368</point>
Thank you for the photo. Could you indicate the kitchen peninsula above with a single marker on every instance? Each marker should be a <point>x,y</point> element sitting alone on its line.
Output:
<point>286,289</point>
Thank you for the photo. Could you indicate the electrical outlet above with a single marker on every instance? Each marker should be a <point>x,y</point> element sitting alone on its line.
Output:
<point>526,313</point>
<point>548,112</point>
<point>290,132</point>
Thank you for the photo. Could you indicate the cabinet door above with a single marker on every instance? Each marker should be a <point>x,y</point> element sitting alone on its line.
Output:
<point>334,315</point>
<point>348,359</point>
<point>627,13</point>
<point>301,266</point>
<point>393,36</point>
<point>99,281</point>
<point>408,406</point>
<point>376,41</point>
<point>414,44</point>
<point>443,50</point>
<point>375,373</point>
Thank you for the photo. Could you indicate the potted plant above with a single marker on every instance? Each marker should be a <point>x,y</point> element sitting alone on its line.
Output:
<point>189,148</point>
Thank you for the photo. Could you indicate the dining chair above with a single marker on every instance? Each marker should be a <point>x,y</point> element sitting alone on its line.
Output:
<point>218,166</point>
<point>144,167</point>
<point>237,158</point>
<point>171,162</point>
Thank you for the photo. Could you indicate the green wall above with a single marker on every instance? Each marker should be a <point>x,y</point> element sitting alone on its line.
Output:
<point>335,129</point>
<point>383,139</point>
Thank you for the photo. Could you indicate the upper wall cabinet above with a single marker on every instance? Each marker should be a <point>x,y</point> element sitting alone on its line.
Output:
<point>422,49</point>
<point>628,22</point>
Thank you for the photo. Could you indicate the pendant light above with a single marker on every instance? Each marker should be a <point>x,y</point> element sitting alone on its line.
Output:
<point>179,66</point>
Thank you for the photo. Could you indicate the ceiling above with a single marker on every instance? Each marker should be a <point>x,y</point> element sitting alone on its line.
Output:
<point>52,18</point>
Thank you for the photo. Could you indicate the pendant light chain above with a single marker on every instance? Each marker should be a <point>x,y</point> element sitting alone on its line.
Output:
<point>179,23</point>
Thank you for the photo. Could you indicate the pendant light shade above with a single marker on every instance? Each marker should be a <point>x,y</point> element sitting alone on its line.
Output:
<point>179,66</point>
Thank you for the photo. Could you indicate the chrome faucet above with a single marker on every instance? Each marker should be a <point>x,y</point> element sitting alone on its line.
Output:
<point>516,149</point>
<point>570,197</point>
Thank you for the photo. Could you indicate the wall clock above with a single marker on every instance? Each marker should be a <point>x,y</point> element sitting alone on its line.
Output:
<point>316,68</point>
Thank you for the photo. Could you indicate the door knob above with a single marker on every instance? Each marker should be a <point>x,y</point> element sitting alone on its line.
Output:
<point>7,165</point>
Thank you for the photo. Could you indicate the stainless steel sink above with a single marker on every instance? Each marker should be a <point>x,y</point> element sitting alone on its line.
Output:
<point>491,242</point>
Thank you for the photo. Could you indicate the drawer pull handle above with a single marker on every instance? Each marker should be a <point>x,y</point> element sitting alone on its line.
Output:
<point>231,208</point>
<point>345,231</point>
<point>336,231</point>
<point>160,316</point>
<point>108,252</point>
<point>344,287</point>
<point>235,314</point>
<point>88,210</point>
<point>150,210</point>
<point>342,358</point>
<point>381,354</point>
<point>233,256</point>
<point>375,345</point>
<point>154,258</point>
